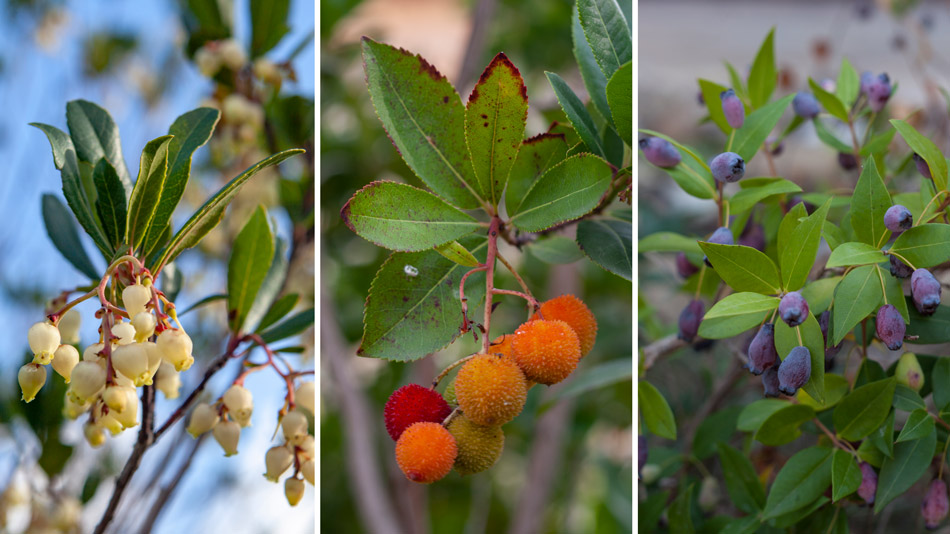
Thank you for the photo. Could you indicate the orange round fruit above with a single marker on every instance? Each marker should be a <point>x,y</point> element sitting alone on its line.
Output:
<point>547,351</point>
<point>575,313</point>
<point>490,389</point>
<point>426,452</point>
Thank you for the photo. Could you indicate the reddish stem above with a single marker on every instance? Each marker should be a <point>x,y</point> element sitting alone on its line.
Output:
<point>490,279</point>
<point>462,298</point>
<point>531,300</point>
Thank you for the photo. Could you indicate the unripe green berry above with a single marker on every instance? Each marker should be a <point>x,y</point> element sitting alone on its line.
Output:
<point>908,372</point>
<point>176,348</point>
<point>227,434</point>
<point>295,427</point>
<point>44,339</point>
<point>239,403</point>
<point>203,419</point>
<point>69,327</point>
<point>305,395</point>
<point>277,460</point>
<point>449,394</point>
<point>124,332</point>
<point>132,361</point>
<point>307,469</point>
<point>94,435</point>
<point>293,490</point>
<point>86,380</point>
<point>31,378</point>
<point>167,380</point>
<point>144,325</point>
<point>135,298</point>
<point>64,359</point>
<point>650,473</point>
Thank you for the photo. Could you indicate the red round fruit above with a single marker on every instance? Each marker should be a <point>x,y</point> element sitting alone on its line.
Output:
<point>413,403</point>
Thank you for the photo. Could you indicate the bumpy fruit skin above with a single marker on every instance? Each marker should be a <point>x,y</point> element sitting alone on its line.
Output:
<point>491,390</point>
<point>479,447</point>
<point>762,353</point>
<point>890,327</point>
<point>847,161</point>
<point>868,486</point>
<point>925,290</point>
<point>684,267</point>
<point>660,152</point>
<point>899,269</point>
<point>922,166</point>
<point>690,318</point>
<point>411,404</point>
<point>898,218</point>
<point>879,91</point>
<point>727,167</point>
<point>935,505</point>
<point>793,309</point>
<point>732,108</point>
<point>770,382</point>
<point>722,236</point>
<point>908,371</point>
<point>805,105</point>
<point>426,452</point>
<point>546,350</point>
<point>576,314</point>
<point>31,378</point>
<point>794,371</point>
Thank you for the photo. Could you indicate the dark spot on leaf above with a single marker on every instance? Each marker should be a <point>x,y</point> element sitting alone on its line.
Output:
<point>445,100</point>
<point>405,299</point>
<point>484,116</point>
<point>486,124</point>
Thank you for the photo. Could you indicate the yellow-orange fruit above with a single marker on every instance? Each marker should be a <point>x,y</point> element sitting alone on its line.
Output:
<point>426,452</point>
<point>547,351</point>
<point>575,313</point>
<point>479,446</point>
<point>490,389</point>
<point>502,345</point>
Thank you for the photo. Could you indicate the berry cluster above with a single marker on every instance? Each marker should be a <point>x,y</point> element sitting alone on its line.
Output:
<point>489,390</point>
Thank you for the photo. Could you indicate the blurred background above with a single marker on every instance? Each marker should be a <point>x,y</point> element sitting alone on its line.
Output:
<point>566,466</point>
<point>906,39</point>
<point>137,60</point>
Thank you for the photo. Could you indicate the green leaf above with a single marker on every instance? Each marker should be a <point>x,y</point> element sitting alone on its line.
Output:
<point>894,293</point>
<point>754,414</point>
<point>829,101</point>
<point>918,425</point>
<point>787,338</point>
<point>925,245</point>
<point>798,253</point>
<point>679,516</point>
<point>457,254</point>
<point>567,191</point>
<point>854,253</point>
<point>668,242</point>
<point>868,204</point>
<point>878,143</point>
<point>204,302</point>
<point>655,411</point>
<point>694,181</point>
<point>607,33</point>
<point>147,192</point>
<point>537,155</point>
<point>743,268</point>
<point>576,113</point>
<point>78,202</point>
<point>906,399</point>
<point>296,324</point>
<point>735,314</point>
<point>596,377</point>
<point>757,126</point>
<point>268,24</point>
<point>883,437</point>
<point>594,80</point>
<point>929,328</point>
<point>845,475</point>
<point>829,138</point>
<point>210,214</point>
<point>864,409</point>
<point>762,75</point>
<point>820,292</point>
<point>803,478</point>
<point>270,288</point>
<point>783,426</point>
<point>424,117</point>
<point>833,235</point>
<point>744,525</point>
<point>251,256</point>
<point>856,297</point>
<point>742,483</point>
<point>61,228</point>
<point>755,190</point>
<point>95,135</point>
<point>494,125</point>
<point>620,98</point>
<point>848,85</point>
<point>191,131</point>
<point>608,243</point>
<point>59,141</point>
<point>836,387</point>
<point>110,202</point>
<point>718,427</point>
<point>940,377</point>
<point>278,310</point>
<point>555,250</point>
<point>927,150</point>
<point>413,308</point>
<point>686,150</point>
<point>898,474</point>
<point>711,91</point>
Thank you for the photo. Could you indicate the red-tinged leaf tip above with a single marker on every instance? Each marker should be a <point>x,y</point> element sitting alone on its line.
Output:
<point>500,59</point>
<point>542,136</point>
<point>554,124</point>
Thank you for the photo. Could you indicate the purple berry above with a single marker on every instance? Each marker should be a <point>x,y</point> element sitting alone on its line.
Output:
<point>926,291</point>
<point>935,505</point>
<point>793,309</point>
<point>690,318</point>
<point>847,161</point>
<point>794,371</point>
<point>660,152</point>
<point>897,218</point>
<point>867,78</point>
<point>890,327</point>
<point>899,269</point>
<point>805,105</point>
<point>824,320</point>
<point>770,381</point>
<point>922,166</point>
<point>868,486</point>
<point>684,267</point>
<point>728,167</point>
<point>762,353</point>
<point>732,108</point>
<point>879,91</point>
<point>753,236</point>
<point>722,236</point>
<point>642,452</point>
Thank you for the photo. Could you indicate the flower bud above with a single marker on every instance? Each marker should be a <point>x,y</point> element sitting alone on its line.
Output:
<point>31,378</point>
<point>306,395</point>
<point>935,504</point>
<point>144,325</point>
<point>107,419</point>
<point>69,327</point>
<point>44,339</point>
<point>227,434</point>
<point>207,61</point>
<point>295,427</point>
<point>86,380</point>
<point>66,514</point>
<point>239,403</point>
<point>167,380</point>
<point>307,469</point>
<point>92,353</point>
<point>128,417</point>
<point>135,298</point>
<point>72,410</point>
<point>132,362</point>
<point>293,490</point>
<point>64,359</point>
<point>176,348</point>
<point>203,419</point>
<point>115,397</point>
<point>908,372</point>
<point>308,447</point>
<point>868,486</point>
<point>278,459</point>
<point>232,54</point>
<point>267,71</point>
<point>94,435</point>
<point>154,355</point>
<point>123,333</point>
